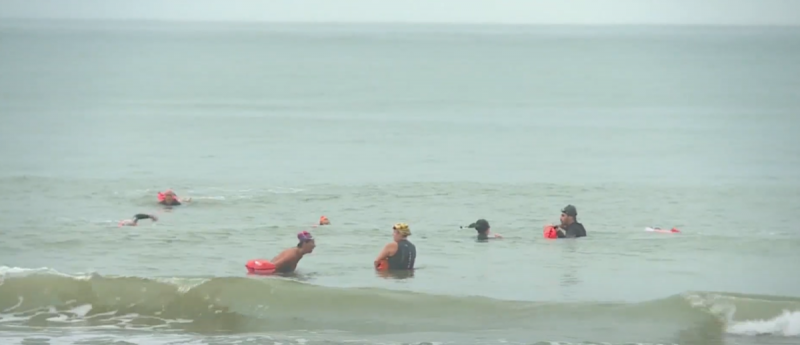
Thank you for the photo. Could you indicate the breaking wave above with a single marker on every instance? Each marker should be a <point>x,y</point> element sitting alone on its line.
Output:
<point>46,298</point>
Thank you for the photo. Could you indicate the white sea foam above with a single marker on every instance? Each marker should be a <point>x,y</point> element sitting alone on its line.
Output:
<point>787,324</point>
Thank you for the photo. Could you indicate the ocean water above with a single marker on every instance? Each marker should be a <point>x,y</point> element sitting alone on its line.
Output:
<point>269,127</point>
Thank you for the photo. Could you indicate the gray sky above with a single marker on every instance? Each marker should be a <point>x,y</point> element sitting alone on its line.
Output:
<point>713,12</point>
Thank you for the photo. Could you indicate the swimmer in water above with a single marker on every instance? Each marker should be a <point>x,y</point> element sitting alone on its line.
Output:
<point>171,199</point>
<point>483,229</point>
<point>400,253</point>
<point>135,220</point>
<point>324,221</point>
<point>570,228</point>
<point>287,260</point>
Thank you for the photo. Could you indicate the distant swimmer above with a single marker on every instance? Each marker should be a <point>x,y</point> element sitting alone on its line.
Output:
<point>483,229</point>
<point>169,198</point>
<point>287,260</point>
<point>657,229</point>
<point>324,221</point>
<point>399,254</point>
<point>136,218</point>
<point>570,228</point>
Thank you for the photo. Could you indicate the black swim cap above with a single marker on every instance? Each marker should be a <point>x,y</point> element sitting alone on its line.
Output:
<point>481,225</point>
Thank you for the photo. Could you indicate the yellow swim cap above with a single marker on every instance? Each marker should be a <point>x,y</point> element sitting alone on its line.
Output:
<point>402,228</point>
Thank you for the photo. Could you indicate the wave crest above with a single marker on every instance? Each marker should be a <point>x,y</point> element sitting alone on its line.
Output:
<point>45,298</point>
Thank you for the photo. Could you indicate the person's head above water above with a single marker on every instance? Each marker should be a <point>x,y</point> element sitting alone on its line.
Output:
<point>480,225</point>
<point>169,198</point>
<point>169,195</point>
<point>306,242</point>
<point>400,232</point>
<point>324,221</point>
<point>483,228</point>
<point>569,215</point>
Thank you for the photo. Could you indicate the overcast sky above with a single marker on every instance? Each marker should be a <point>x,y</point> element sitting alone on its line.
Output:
<point>713,12</point>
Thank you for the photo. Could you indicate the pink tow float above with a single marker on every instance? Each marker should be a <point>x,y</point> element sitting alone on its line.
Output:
<point>663,231</point>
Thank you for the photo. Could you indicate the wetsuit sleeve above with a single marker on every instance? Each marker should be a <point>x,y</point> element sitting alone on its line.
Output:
<point>570,231</point>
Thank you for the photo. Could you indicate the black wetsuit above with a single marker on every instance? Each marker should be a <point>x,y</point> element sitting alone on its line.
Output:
<point>140,216</point>
<point>404,258</point>
<point>482,227</point>
<point>174,202</point>
<point>573,230</point>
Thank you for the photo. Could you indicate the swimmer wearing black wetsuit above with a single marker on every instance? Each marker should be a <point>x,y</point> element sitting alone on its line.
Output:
<point>136,218</point>
<point>483,229</point>
<point>570,228</point>
<point>400,253</point>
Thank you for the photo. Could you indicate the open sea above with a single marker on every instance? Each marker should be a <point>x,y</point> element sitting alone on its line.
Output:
<point>270,126</point>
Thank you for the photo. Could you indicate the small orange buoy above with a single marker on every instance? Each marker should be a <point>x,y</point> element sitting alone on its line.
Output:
<point>550,232</point>
<point>383,265</point>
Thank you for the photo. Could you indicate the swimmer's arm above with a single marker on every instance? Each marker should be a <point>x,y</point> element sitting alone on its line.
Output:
<point>494,235</point>
<point>387,251</point>
<point>563,233</point>
<point>141,216</point>
<point>560,232</point>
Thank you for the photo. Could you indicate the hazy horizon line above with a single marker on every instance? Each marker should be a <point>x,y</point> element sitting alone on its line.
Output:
<point>399,23</point>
